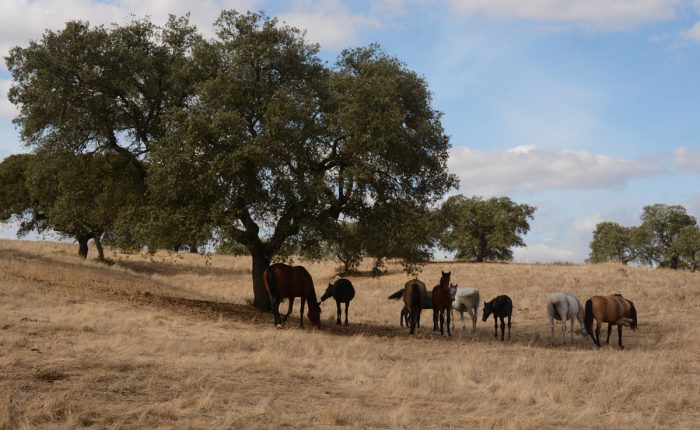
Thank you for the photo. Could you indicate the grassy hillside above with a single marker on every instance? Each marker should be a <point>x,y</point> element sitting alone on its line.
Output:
<point>169,341</point>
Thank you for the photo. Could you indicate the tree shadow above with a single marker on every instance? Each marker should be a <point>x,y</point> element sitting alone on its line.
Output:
<point>174,269</point>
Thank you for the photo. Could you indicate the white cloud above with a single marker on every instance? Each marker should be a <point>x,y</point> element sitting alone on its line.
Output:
<point>7,109</point>
<point>25,20</point>
<point>602,14</point>
<point>548,252</point>
<point>587,224</point>
<point>693,33</point>
<point>329,22</point>
<point>688,159</point>
<point>532,169</point>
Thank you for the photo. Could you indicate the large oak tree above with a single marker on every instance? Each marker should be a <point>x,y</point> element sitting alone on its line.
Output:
<point>278,146</point>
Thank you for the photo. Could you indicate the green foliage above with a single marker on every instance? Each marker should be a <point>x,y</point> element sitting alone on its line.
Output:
<point>667,237</point>
<point>14,194</point>
<point>612,242</point>
<point>484,230</point>
<point>276,146</point>
<point>248,137</point>
<point>661,226</point>
<point>687,247</point>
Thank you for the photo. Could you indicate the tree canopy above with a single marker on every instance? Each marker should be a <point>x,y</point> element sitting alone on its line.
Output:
<point>484,229</point>
<point>247,138</point>
<point>612,242</point>
<point>667,237</point>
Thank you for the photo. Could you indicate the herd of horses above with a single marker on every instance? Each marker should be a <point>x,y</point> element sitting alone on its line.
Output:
<point>283,281</point>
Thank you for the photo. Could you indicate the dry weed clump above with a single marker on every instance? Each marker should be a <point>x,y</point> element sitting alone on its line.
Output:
<point>168,341</point>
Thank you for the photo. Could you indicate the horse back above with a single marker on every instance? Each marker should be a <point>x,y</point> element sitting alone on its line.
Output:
<point>502,306</point>
<point>343,291</point>
<point>414,293</point>
<point>291,281</point>
<point>609,309</point>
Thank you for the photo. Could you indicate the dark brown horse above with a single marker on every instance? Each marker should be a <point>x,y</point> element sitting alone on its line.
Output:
<point>442,303</point>
<point>287,282</point>
<point>343,292</point>
<point>614,310</point>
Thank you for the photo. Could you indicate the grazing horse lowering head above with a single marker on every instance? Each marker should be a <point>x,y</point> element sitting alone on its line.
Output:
<point>314,313</point>
<point>328,294</point>
<point>488,310</point>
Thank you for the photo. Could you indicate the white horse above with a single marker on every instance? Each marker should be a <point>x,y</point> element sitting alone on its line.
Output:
<point>562,307</point>
<point>466,300</point>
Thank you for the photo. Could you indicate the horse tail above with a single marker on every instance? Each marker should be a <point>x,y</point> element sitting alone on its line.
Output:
<point>271,285</point>
<point>588,318</point>
<point>397,295</point>
<point>633,315</point>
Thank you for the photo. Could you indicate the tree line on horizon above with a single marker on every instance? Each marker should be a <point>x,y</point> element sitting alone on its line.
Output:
<point>667,237</point>
<point>146,136</point>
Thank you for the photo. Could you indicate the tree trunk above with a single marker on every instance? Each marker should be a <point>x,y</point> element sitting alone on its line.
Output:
<point>98,246</point>
<point>83,245</point>
<point>193,249</point>
<point>260,298</point>
<point>673,263</point>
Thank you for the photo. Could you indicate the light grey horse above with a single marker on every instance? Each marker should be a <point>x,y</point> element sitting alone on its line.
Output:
<point>466,300</point>
<point>563,307</point>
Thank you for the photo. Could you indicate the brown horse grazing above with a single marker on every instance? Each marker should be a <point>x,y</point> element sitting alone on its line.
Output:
<point>287,282</point>
<point>614,310</point>
<point>442,303</point>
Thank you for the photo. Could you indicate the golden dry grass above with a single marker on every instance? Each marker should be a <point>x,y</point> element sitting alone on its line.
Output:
<point>168,341</point>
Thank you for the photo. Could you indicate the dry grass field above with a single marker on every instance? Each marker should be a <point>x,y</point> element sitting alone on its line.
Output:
<point>169,341</point>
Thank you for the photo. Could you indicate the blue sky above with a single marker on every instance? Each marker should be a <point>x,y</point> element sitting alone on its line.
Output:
<point>586,109</point>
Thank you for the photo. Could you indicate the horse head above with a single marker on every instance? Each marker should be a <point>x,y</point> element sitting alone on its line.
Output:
<point>453,291</point>
<point>445,280</point>
<point>488,310</point>
<point>328,294</point>
<point>314,313</point>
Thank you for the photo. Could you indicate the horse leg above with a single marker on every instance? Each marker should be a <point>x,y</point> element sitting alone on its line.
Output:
<point>301,312</point>
<point>276,312</point>
<point>503,329</point>
<point>435,319</point>
<point>442,322</point>
<point>495,326</point>
<point>508,326</point>
<point>551,325</point>
<point>598,325</point>
<point>347,305</point>
<point>337,304</point>
<point>449,320</point>
<point>572,330</point>
<point>609,331</point>
<point>563,330</point>
<point>404,314</point>
<point>289,311</point>
<point>619,335</point>
<point>473,315</point>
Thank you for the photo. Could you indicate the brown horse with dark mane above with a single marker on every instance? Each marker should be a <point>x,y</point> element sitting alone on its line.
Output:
<point>414,295</point>
<point>442,303</point>
<point>614,310</point>
<point>287,282</point>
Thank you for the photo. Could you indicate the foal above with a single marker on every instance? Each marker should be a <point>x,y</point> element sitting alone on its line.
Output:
<point>500,307</point>
<point>343,292</point>
<point>442,303</point>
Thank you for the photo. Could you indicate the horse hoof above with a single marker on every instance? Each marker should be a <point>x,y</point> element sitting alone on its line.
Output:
<point>337,323</point>
<point>278,326</point>
<point>346,323</point>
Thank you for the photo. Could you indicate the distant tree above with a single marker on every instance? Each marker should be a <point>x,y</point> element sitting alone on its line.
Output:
<point>687,247</point>
<point>14,194</point>
<point>661,226</point>
<point>275,146</point>
<point>612,242</point>
<point>484,230</point>
<point>83,195</point>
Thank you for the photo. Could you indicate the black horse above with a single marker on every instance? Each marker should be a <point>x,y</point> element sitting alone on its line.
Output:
<point>500,307</point>
<point>342,291</point>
